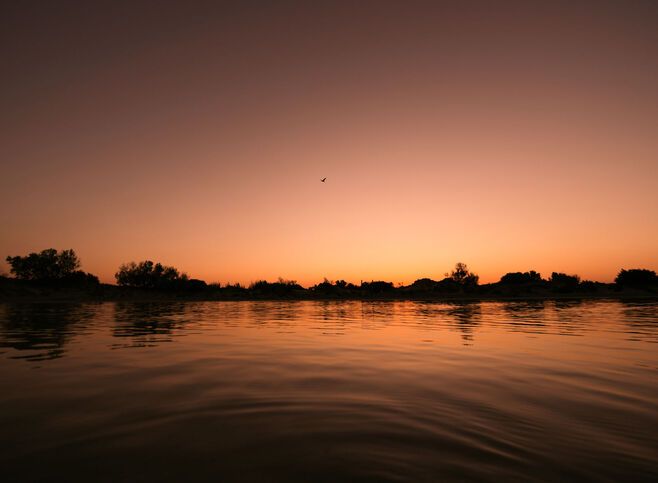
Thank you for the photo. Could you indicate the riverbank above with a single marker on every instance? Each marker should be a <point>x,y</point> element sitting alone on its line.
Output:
<point>12,290</point>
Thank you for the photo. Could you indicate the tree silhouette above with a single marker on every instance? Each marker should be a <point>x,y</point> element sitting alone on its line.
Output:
<point>637,277</point>
<point>281,288</point>
<point>564,279</point>
<point>147,274</point>
<point>518,278</point>
<point>377,287</point>
<point>424,285</point>
<point>564,283</point>
<point>463,276</point>
<point>49,264</point>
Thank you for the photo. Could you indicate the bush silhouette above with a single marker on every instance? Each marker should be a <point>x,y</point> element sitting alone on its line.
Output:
<point>445,286</point>
<point>326,287</point>
<point>637,278</point>
<point>589,286</point>
<point>376,287</point>
<point>424,285</point>
<point>195,285</point>
<point>520,278</point>
<point>561,282</point>
<point>280,288</point>
<point>235,290</point>
<point>79,278</point>
<point>563,278</point>
<point>147,274</point>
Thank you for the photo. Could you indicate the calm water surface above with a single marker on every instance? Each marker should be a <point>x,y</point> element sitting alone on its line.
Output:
<point>329,391</point>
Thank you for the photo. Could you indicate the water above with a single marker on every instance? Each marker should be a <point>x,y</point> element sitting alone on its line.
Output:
<point>329,391</point>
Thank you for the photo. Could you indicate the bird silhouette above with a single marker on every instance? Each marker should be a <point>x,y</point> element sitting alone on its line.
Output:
<point>323,179</point>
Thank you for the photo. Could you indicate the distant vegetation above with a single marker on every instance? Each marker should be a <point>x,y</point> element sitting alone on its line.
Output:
<point>61,269</point>
<point>564,283</point>
<point>637,277</point>
<point>151,275</point>
<point>521,278</point>
<point>50,266</point>
<point>462,276</point>
<point>281,288</point>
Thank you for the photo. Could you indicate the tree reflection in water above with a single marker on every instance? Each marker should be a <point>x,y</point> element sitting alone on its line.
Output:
<point>42,331</point>
<point>640,317</point>
<point>465,318</point>
<point>525,316</point>
<point>149,324</point>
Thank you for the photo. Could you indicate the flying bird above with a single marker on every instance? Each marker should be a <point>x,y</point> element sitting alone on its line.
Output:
<point>323,179</point>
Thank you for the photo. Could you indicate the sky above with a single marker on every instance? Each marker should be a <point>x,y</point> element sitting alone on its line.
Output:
<point>507,135</point>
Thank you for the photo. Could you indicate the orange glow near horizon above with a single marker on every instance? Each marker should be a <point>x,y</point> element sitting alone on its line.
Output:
<point>516,139</point>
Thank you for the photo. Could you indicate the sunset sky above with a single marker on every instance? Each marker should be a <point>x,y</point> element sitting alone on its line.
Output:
<point>507,135</point>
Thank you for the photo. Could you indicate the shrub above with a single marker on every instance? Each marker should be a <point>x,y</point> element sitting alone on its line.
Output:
<point>377,286</point>
<point>562,282</point>
<point>424,285</point>
<point>196,285</point>
<point>636,277</point>
<point>519,278</point>
<point>564,279</point>
<point>81,278</point>
<point>146,274</point>
<point>281,287</point>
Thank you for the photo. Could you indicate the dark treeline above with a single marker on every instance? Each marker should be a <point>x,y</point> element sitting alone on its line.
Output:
<point>57,273</point>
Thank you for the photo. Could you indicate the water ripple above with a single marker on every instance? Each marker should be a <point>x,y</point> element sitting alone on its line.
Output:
<point>329,391</point>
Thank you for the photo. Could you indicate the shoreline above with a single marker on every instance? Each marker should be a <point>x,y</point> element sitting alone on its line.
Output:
<point>164,298</point>
<point>21,291</point>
